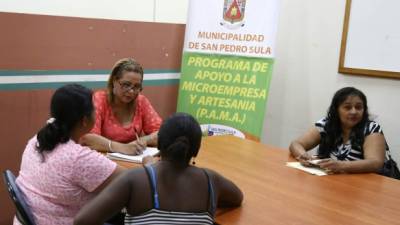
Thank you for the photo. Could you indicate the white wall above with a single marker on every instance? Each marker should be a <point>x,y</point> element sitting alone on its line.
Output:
<point>305,74</point>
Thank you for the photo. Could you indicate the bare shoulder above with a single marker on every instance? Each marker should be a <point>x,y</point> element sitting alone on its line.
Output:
<point>228,194</point>
<point>134,176</point>
<point>214,176</point>
<point>209,172</point>
<point>375,138</point>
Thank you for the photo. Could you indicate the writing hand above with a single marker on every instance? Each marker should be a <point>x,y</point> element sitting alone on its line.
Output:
<point>132,148</point>
<point>138,146</point>
<point>140,143</point>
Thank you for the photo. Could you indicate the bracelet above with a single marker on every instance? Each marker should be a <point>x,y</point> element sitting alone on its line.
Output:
<point>109,146</point>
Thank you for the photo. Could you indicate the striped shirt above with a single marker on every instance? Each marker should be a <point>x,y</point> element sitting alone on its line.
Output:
<point>347,151</point>
<point>158,216</point>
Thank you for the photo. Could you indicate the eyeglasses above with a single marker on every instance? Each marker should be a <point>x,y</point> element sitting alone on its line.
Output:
<point>127,86</point>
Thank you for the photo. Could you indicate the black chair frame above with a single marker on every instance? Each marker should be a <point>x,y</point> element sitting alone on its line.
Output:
<point>23,211</point>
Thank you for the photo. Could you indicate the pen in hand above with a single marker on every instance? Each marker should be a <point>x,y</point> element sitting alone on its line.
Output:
<point>140,144</point>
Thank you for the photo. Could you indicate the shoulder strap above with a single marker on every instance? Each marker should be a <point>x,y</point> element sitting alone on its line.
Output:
<point>211,199</point>
<point>151,174</point>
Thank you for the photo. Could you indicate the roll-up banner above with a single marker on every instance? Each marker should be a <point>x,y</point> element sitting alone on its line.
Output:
<point>227,63</point>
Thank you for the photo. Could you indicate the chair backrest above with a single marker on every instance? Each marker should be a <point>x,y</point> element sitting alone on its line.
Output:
<point>24,213</point>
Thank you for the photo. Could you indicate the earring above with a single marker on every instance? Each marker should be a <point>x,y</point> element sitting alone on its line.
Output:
<point>193,162</point>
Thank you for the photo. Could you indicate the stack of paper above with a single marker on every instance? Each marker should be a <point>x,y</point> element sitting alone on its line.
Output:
<point>312,170</point>
<point>134,158</point>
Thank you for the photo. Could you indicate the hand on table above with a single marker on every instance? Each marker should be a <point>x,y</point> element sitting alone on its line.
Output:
<point>331,166</point>
<point>304,159</point>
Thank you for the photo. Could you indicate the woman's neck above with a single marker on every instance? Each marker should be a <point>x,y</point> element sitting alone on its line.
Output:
<point>75,136</point>
<point>172,164</point>
<point>346,134</point>
<point>122,105</point>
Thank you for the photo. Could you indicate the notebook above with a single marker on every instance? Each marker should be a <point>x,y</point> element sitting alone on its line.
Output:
<point>133,158</point>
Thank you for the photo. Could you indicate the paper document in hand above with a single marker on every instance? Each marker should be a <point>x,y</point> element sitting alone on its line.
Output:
<point>312,170</point>
<point>134,158</point>
<point>315,162</point>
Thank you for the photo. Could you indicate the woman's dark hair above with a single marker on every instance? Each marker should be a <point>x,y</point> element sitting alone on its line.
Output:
<point>121,66</point>
<point>179,138</point>
<point>69,105</point>
<point>333,128</point>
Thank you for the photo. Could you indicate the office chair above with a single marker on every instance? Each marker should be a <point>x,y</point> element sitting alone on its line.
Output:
<point>24,214</point>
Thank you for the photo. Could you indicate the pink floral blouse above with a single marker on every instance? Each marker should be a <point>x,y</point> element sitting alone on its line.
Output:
<point>56,188</point>
<point>146,119</point>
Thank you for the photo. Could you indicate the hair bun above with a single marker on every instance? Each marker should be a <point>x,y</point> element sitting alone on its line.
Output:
<point>179,138</point>
<point>180,150</point>
<point>183,140</point>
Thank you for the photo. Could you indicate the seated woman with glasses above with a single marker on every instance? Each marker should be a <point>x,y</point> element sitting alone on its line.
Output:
<point>123,114</point>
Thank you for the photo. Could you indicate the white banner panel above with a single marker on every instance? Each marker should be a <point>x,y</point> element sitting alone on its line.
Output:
<point>232,27</point>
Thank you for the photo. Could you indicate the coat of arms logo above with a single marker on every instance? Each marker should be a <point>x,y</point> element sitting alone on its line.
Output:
<point>233,13</point>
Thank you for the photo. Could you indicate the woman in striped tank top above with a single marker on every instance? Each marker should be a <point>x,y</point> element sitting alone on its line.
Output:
<point>349,142</point>
<point>170,191</point>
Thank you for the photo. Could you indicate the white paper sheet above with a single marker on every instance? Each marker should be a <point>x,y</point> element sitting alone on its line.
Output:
<point>312,170</point>
<point>133,158</point>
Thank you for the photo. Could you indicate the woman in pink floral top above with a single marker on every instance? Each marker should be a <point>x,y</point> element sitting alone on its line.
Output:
<point>123,114</point>
<point>58,175</point>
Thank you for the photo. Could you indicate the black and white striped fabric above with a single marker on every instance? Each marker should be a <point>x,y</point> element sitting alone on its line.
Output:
<point>347,151</point>
<point>157,216</point>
